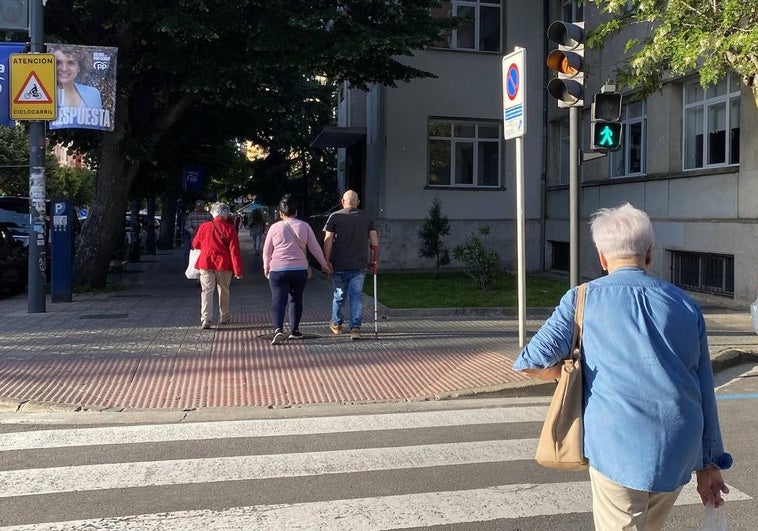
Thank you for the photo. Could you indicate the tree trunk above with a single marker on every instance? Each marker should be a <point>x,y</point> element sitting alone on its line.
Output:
<point>104,227</point>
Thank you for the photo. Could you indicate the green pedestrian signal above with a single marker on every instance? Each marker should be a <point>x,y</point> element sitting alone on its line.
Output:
<point>606,126</point>
<point>606,136</point>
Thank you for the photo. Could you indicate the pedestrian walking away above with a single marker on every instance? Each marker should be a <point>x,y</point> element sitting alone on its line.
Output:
<point>219,259</point>
<point>650,417</point>
<point>351,245</point>
<point>285,264</point>
<point>193,220</point>
<point>257,229</point>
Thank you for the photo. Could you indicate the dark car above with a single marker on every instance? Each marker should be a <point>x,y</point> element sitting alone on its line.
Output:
<point>13,262</point>
<point>14,215</point>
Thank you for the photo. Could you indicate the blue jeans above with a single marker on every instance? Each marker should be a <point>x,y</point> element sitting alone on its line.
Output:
<point>349,281</point>
<point>287,287</point>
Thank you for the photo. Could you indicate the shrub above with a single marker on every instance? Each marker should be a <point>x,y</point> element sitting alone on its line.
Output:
<point>479,262</point>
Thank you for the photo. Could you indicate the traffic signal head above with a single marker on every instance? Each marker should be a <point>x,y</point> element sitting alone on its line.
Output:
<point>568,62</point>
<point>606,126</point>
<point>606,106</point>
<point>606,135</point>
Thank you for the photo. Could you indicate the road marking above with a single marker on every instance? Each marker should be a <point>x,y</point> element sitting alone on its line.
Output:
<point>737,397</point>
<point>211,470</point>
<point>266,427</point>
<point>425,509</point>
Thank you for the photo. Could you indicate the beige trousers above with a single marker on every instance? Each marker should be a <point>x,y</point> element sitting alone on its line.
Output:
<point>619,508</point>
<point>211,281</point>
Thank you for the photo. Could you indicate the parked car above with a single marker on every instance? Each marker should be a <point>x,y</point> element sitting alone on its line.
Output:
<point>14,215</point>
<point>13,262</point>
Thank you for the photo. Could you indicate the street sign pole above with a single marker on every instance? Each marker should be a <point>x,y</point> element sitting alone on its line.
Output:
<point>514,126</point>
<point>37,239</point>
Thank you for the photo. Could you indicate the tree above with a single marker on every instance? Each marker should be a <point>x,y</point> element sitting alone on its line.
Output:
<point>431,235</point>
<point>181,59</point>
<point>712,38</point>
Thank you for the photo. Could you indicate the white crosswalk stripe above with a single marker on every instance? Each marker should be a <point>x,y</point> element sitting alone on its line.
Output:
<point>345,511</point>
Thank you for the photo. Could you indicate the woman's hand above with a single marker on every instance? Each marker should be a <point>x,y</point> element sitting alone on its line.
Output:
<point>710,485</point>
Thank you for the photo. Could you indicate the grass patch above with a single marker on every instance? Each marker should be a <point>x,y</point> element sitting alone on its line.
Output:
<point>457,290</point>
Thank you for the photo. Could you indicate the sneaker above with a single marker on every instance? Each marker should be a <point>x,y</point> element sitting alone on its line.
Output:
<point>278,337</point>
<point>225,321</point>
<point>335,328</point>
<point>295,334</point>
<point>355,334</point>
<point>205,325</point>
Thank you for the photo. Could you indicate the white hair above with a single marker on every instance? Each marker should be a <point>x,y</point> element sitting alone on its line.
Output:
<point>622,232</point>
<point>220,209</point>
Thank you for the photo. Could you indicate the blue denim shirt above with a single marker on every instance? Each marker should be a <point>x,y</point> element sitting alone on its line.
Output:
<point>650,415</point>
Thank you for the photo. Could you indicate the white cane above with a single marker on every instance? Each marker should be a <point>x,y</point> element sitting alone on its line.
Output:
<point>376,311</point>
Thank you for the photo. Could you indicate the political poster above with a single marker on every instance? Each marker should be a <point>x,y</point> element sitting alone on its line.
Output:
<point>6,49</point>
<point>86,86</point>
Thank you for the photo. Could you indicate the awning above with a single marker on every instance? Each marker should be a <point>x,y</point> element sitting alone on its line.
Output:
<point>340,137</point>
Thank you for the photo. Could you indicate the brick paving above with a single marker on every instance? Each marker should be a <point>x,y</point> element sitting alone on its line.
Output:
<point>140,347</point>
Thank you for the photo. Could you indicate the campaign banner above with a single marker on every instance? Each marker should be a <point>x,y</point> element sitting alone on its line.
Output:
<point>6,49</point>
<point>193,178</point>
<point>86,86</point>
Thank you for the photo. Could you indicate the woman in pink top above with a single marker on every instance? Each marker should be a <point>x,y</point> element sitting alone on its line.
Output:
<point>285,264</point>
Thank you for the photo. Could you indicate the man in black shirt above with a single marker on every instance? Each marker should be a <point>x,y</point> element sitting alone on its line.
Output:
<point>346,235</point>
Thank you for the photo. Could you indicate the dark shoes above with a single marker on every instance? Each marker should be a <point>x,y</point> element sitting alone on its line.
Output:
<point>335,328</point>
<point>295,334</point>
<point>355,334</point>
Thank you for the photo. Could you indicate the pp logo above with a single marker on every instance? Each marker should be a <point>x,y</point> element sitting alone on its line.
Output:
<point>101,65</point>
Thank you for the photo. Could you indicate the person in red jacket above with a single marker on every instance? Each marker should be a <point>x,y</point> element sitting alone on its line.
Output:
<point>220,258</point>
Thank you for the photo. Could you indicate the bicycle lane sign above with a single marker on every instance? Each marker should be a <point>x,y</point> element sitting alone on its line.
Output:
<point>32,90</point>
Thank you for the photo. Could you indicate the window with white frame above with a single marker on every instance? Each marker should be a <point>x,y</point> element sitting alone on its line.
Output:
<point>629,161</point>
<point>712,124</point>
<point>481,28</point>
<point>464,153</point>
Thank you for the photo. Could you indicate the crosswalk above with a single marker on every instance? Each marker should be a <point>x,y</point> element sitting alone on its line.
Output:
<point>378,471</point>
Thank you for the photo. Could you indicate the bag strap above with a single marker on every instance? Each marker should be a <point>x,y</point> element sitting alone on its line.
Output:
<point>299,241</point>
<point>221,236</point>
<point>576,341</point>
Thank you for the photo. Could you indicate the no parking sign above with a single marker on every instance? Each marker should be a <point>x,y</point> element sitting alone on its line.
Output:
<point>514,98</point>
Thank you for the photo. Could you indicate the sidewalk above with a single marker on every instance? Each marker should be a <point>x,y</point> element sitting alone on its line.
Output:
<point>142,347</point>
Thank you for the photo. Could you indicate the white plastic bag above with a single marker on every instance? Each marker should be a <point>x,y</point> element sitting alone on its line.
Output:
<point>715,519</point>
<point>191,272</point>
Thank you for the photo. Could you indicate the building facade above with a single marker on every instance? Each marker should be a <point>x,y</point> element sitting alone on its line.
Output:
<point>682,160</point>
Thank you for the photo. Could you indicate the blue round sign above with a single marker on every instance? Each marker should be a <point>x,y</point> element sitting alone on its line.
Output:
<point>512,80</point>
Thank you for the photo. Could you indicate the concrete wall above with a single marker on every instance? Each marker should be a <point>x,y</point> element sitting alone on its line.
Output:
<point>468,86</point>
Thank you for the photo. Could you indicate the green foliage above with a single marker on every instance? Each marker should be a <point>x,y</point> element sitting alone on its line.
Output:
<point>14,161</point>
<point>479,262</point>
<point>683,36</point>
<point>76,184</point>
<point>431,236</point>
<point>453,290</point>
<point>196,74</point>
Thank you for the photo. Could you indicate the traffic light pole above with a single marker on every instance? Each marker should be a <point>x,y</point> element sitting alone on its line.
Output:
<point>574,163</point>
<point>37,240</point>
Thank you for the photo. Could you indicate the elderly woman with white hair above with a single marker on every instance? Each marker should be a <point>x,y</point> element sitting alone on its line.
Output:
<point>219,260</point>
<point>650,417</point>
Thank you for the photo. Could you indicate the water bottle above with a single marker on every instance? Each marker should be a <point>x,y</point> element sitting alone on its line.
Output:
<point>754,313</point>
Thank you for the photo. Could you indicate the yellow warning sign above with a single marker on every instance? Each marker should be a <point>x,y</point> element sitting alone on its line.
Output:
<point>32,86</point>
